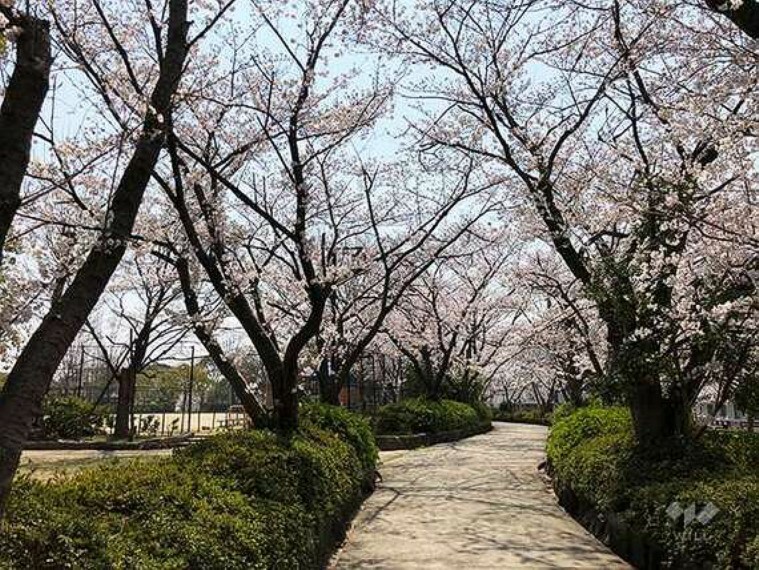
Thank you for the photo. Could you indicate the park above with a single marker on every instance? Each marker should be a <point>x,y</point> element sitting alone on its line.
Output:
<point>379,284</point>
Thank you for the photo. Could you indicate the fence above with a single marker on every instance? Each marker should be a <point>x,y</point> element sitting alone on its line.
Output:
<point>376,380</point>
<point>175,397</point>
<point>179,399</point>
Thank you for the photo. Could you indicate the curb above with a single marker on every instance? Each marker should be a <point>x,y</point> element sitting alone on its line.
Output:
<point>62,445</point>
<point>414,441</point>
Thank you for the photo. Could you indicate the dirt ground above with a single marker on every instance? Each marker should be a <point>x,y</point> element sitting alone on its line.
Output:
<point>45,465</point>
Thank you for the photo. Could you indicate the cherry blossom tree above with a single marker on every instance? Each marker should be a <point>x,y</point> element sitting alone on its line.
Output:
<point>742,13</point>
<point>142,327</point>
<point>267,259</point>
<point>142,97</point>
<point>641,187</point>
<point>400,247</point>
<point>454,324</point>
<point>22,104</point>
<point>564,328</point>
<point>204,322</point>
<point>28,38</point>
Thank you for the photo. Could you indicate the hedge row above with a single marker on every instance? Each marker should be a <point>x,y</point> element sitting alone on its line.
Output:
<point>592,456</point>
<point>417,415</point>
<point>69,417</point>
<point>248,499</point>
<point>534,417</point>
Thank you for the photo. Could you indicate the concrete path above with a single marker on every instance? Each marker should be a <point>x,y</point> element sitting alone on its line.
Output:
<point>477,503</point>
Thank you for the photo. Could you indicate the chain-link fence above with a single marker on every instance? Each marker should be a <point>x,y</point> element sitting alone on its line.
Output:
<point>376,380</point>
<point>180,396</point>
<point>186,394</point>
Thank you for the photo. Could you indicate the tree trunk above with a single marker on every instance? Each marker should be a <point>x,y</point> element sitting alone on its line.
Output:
<point>632,373</point>
<point>744,14</point>
<point>284,378</point>
<point>29,380</point>
<point>20,110</point>
<point>329,384</point>
<point>428,377</point>
<point>285,393</point>
<point>647,407</point>
<point>249,402</point>
<point>678,407</point>
<point>124,404</point>
<point>574,391</point>
<point>656,416</point>
<point>329,392</point>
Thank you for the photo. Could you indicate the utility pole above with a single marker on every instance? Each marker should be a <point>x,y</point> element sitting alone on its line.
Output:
<point>80,379</point>
<point>189,394</point>
<point>132,386</point>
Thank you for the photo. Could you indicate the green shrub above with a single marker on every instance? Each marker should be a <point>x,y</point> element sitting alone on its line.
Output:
<point>149,514</point>
<point>417,415</point>
<point>72,418</point>
<point>562,411</point>
<point>751,557</point>
<point>317,470</point>
<point>352,428</point>
<point>484,412</point>
<point>592,452</point>
<point>741,447</point>
<point>726,541</point>
<point>535,417</point>
<point>584,424</point>
<point>245,499</point>
<point>596,469</point>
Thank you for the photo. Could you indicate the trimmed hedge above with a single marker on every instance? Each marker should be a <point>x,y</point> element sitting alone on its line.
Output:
<point>597,467</point>
<point>69,417</point>
<point>247,499</point>
<point>533,417</point>
<point>351,427</point>
<point>417,415</point>
<point>398,442</point>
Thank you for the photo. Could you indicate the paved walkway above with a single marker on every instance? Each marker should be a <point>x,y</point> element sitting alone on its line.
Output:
<point>477,503</point>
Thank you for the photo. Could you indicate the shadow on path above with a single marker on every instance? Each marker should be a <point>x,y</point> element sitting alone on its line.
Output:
<point>476,503</point>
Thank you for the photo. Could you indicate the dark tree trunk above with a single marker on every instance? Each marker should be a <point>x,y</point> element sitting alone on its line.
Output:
<point>329,390</point>
<point>125,404</point>
<point>252,407</point>
<point>656,416</point>
<point>29,380</point>
<point>745,16</point>
<point>633,371</point>
<point>284,379</point>
<point>678,410</point>
<point>574,391</point>
<point>329,384</point>
<point>20,110</point>
<point>285,395</point>
<point>430,379</point>
<point>234,300</point>
<point>647,407</point>
<point>239,385</point>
